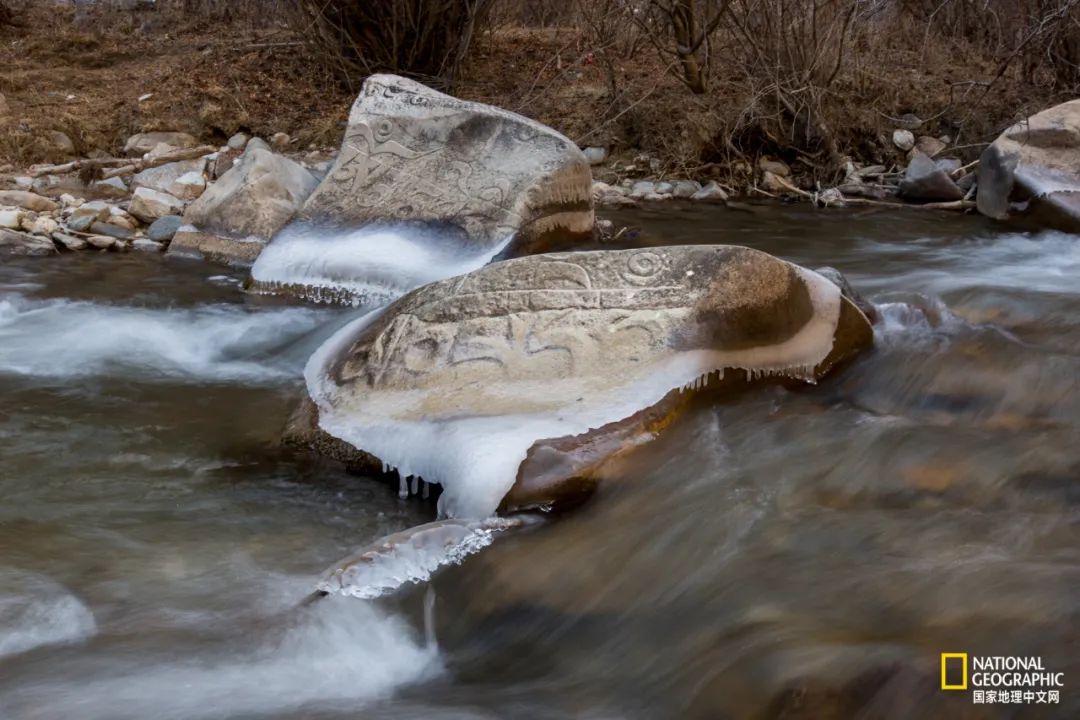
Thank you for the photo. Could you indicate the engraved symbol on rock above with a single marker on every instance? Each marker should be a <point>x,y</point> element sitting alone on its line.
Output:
<point>643,267</point>
<point>370,155</point>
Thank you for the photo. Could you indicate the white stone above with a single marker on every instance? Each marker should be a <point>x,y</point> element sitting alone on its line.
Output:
<point>11,219</point>
<point>903,139</point>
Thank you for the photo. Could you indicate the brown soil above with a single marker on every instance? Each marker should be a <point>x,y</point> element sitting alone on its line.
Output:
<point>83,75</point>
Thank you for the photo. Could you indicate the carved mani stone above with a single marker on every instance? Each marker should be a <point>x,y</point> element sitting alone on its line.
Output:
<point>556,345</point>
<point>491,181</point>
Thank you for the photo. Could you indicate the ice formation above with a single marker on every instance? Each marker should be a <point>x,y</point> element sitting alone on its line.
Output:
<point>369,264</point>
<point>412,555</point>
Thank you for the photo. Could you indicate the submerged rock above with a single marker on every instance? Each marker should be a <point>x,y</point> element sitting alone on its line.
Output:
<point>465,179</point>
<point>1033,169</point>
<point>455,382</point>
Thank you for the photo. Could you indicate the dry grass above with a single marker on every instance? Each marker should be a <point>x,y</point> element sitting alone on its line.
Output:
<point>597,78</point>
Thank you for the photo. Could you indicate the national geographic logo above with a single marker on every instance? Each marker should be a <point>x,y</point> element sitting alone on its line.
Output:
<point>1001,679</point>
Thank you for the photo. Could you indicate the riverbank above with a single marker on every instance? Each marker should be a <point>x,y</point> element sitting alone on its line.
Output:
<point>79,84</point>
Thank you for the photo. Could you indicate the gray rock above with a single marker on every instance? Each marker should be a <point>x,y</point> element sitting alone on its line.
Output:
<point>595,155</point>
<point>925,181</point>
<point>144,245</point>
<point>142,143</point>
<point>149,205</point>
<point>81,223</point>
<point>686,188</point>
<point>102,242</point>
<point>909,121</point>
<point>664,188</point>
<point>115,184</point>
<point>903,139</point>
<point>642,188</point>
<point>163,229</point>
<point>238,141</point>
<point>17,243</point>
<point>605,195</point>
<point>60,144</point>
<point>1033,169</point>
<point>237,215</point>
<point>949,165</point>
<point>23,182</point>
<point>712,192</point>
<point>69,242</point>
<point>113,231</point>
<point>256,143</point>
<point>162,177</point>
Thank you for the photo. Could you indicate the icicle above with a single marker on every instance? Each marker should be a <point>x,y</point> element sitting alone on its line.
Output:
<point>427,490</point>
<point>429,618</point>
<point>403,487</point>
<point>415,485</point>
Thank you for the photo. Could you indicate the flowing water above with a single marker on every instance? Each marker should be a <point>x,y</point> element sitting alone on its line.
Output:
<point>793,553</point>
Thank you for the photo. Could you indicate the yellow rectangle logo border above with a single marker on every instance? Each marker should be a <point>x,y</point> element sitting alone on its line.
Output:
<point>945,657</point>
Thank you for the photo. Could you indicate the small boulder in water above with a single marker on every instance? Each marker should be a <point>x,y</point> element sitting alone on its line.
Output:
<point>456,381</point>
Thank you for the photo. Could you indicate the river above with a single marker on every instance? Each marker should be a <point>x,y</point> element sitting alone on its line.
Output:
<point>793,553</point>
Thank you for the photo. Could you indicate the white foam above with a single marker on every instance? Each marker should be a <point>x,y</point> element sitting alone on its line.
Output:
<point>338,655</point>
<point>475,458</point>
<point>36,611</point>
<point>62,338</point>
<point>369,264</point>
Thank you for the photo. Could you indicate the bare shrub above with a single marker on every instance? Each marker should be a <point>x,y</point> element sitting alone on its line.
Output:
<point>428,39</point>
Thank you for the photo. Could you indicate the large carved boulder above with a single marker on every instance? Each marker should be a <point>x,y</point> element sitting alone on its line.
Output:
<point>459,381</point>
<point>456,182</point>
<point>235,217</point>
<point>1033,170</point>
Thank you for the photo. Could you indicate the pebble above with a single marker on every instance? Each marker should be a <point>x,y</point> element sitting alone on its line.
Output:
<point>903,139</point>
<point>101,242</point>
<point>145,245</point>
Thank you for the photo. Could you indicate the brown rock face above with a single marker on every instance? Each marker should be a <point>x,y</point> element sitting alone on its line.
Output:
<point>486,180</point>
<point>1033,169</point>
<point>554,346</point>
